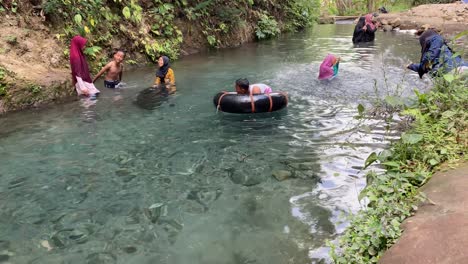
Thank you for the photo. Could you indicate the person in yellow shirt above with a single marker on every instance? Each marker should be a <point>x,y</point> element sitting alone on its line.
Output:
<point>165,74</point>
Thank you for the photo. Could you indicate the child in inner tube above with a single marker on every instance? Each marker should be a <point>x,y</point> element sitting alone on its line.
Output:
<point>243,87</point>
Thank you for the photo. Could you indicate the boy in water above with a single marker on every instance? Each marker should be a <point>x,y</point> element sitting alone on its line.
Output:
<point>243,87</point>
<point>114,70</point>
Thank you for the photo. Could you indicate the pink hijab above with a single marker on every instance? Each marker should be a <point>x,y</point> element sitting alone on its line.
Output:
<point>326,68</point>
<point>78,63</point>
<point>369,23</point>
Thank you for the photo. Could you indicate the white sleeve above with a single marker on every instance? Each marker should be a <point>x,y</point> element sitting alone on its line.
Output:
<point>80,83</point>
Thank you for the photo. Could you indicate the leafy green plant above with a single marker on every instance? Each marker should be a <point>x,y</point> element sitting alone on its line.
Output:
<point>92,51</point>
<point>267,27</point>
<point>439,134</point>
<point>3,83</point>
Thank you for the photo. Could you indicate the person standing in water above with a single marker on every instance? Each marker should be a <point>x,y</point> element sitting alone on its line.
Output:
<point>81,78</point>
<point>365,29</point>
<point>436,56</point>
<point>329,67</point>
<point>114,70</point>
<point>165,74</point>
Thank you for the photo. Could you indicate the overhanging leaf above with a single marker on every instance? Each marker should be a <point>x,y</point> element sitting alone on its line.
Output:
<point>126,12</point>
<point>360,109</point>
<point>371,159</point>
<point>78,19</point>
<point>449,77</point>
<point>411,138</point>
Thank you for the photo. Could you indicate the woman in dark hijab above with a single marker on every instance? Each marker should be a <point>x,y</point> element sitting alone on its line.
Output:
<point>436,55</point>
<point>165,74</point>
<point>365,29</point>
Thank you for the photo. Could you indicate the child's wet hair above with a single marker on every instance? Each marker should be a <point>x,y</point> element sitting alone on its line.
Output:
<point>120,50</point>
<point>115,51</point>
<point>243,83</point>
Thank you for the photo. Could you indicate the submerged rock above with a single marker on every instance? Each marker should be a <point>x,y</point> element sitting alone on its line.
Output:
<point>387,28</point>
<point>204,196</point>
<point>101,258</point>
<point>155,211</point>
<point>246,179</point>
<point>130,249</point>
<point>4,245</point>
<point>282,175</point>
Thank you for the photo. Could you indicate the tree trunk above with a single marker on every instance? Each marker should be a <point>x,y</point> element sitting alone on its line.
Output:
<point>370,6</point>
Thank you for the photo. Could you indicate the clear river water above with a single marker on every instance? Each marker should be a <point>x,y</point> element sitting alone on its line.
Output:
<point>138,177</point>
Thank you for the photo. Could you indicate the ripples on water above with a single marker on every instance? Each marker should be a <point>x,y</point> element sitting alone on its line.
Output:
<point>112,182</point>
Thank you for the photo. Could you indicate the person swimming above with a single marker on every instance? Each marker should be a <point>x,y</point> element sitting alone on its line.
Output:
<point>243,86</point>
<point>329,67</point>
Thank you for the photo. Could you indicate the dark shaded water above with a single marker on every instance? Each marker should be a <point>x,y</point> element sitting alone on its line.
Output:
<point>111,182</point>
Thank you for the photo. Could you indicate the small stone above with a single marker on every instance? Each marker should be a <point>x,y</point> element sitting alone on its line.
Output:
<point>155,211</point>
<point>45,244</point>
<point>282,175</point>
<point>4,244</point>
<point>323,196</point>
<point>387,28</point>
<point>122,172</point>
<point>130,249</point>
<point>396,22</point>
<point>425,27</point>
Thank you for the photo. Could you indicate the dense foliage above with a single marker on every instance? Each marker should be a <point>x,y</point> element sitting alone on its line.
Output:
<point>439,134</point>
<point>155,27</point>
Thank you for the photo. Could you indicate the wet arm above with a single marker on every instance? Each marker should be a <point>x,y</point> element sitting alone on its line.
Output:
<point>121,73</point>
<point>104,69</point>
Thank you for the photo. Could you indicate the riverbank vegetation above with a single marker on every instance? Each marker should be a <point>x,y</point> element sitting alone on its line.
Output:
<point>438,136</point>
<point>155,27</point>
<point>145,29</point>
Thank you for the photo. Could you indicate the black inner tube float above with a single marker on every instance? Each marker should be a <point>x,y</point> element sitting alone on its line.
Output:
<point>232,102</point>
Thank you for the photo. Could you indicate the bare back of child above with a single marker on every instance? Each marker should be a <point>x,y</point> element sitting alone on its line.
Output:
<point>114,70</point>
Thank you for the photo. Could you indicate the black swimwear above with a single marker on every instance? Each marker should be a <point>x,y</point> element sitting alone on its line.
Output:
<point>111,84</point>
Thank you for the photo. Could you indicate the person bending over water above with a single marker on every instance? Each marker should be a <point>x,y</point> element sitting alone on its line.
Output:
<point>365,29</point>
<point>81,78</point>
<point>114,70</point>
<point>436,56</point>
<point>165,74</point>
<point>329,67</point>
<point>243,87</point>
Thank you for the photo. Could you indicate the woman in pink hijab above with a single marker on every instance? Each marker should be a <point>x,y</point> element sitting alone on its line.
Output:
<point>329,67</point>
<point>81,78</point>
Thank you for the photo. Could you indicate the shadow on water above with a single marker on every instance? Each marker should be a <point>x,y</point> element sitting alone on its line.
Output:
<point>152,98</point>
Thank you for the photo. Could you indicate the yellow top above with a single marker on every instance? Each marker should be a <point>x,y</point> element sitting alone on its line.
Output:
<point>169,75</point>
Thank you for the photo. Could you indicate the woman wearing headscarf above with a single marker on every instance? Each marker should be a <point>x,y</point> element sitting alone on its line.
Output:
<point>81,78</point>
<point>165,74</point>
<point>329,67</point>
<point>365,29</point>
<point>436,55</point>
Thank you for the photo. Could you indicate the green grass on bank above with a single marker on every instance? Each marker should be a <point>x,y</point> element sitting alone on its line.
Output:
<point>438,135</point>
